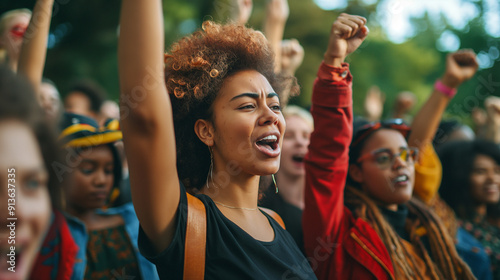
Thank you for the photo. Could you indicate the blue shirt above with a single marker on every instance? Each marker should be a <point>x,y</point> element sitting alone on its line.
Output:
<point>80,235</point>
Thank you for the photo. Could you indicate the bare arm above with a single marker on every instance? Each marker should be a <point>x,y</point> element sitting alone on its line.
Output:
<point>34,49</point>
<point>460,66</point>
<point>274,27</point>
<point>492,124</point>
<point>147,121</point>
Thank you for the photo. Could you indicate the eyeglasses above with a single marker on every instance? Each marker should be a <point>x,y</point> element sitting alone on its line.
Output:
<point>361,133</point>
<point>385,158</point>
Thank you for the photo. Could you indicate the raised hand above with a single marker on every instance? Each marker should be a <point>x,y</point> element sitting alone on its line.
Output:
<point>460,66</point>
<point>278,10</point>
<point>374,104</point>
<point>292,55</point>
<point>346,35</point>
<point>492,105</point>
<point>243,10</point>
<point>274,26</point>
<point>404,103</point>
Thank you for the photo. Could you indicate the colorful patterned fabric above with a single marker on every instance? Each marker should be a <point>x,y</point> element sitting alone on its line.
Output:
<point>489,236</point>
<point>110,255</point>
<point>57,255</point>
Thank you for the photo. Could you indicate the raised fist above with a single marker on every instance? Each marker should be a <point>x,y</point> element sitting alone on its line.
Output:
<point>460,66</point>
<point>292,55</point>
<point>346,35</point>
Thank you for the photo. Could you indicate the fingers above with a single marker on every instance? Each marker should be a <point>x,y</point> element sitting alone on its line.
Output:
<point>291,46</point>
<point>465,58</point>
<point>347,26</point>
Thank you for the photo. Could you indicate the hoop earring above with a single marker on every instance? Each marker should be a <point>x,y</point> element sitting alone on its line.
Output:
<point>274,181</point>
<point>211,168</point>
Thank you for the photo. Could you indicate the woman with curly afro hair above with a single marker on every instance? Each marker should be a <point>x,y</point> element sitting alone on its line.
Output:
<point>205,118</point>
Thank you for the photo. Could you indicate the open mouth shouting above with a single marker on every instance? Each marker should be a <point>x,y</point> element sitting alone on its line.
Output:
<point>268,144</point>
<point>401,180</point>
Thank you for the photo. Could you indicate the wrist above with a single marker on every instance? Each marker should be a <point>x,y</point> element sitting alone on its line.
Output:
<point>450,81</point>
<point>334,61</point>
<point>445,89</point>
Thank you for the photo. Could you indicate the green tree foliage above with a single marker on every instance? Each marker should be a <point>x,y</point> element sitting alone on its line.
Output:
<point>84,38</point>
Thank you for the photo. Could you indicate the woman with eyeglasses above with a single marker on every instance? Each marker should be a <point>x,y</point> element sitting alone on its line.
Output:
<point>370,228</point>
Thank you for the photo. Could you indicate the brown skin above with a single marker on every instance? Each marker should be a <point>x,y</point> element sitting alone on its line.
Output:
<point>239,122</point>
<point>379,183</point>
<point>485,182</point>
<point>148,128</point>
<point>460,66</point>
<point>78,103</point>
<point>89,189</point>
<point>34,49</point>
<point>346,35</point>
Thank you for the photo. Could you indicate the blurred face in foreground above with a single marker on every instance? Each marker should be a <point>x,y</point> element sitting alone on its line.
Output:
<point>23,178</point>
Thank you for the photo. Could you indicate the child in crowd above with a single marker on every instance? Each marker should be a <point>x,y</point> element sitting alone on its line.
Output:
<point>107,239</point>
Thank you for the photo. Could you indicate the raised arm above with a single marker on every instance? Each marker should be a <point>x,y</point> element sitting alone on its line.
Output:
<point>34,49</point>
<point>327,161</point>
<point>146,120</point>
<point>460,66</point>
<point>274,27</point>
<point>242,9</point>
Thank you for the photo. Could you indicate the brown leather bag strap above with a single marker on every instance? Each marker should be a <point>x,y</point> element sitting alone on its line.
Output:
<point>274,215</point>
<point>196,240</point>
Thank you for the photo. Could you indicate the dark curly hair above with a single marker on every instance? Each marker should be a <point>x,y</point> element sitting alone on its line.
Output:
<point>18,102</point>
<point>94,92</point>
<point>457,159</point>
<point>195,69</point>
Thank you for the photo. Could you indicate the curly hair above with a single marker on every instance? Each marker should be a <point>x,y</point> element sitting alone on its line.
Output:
<point>457,159</point>
<point>94,92</point>
<point>195,70</point>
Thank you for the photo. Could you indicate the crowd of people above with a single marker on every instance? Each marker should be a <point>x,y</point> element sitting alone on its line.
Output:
<point>209,173</point>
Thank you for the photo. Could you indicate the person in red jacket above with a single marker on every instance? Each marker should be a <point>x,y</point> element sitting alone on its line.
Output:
<point>379,233</point>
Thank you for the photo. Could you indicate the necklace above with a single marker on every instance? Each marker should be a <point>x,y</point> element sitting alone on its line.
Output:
<point>233,207</point>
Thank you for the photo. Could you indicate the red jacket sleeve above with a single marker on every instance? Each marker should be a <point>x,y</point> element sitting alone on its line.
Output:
<point>327,161</point>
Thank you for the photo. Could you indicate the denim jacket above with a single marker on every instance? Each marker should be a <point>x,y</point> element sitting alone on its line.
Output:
<point>80,235</point>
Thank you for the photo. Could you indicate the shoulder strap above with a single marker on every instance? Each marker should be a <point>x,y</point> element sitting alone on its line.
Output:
<point>196,239</point>
<point>274,215</point>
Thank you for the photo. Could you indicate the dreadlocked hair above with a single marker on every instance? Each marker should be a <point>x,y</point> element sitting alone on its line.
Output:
<point>443,263</point>
<point>195,70</point>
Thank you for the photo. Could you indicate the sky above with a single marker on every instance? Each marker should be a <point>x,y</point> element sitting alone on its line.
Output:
<point>394,16</point>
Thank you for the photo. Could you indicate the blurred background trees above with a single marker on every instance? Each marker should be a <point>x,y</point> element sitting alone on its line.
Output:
<point>84,34</point>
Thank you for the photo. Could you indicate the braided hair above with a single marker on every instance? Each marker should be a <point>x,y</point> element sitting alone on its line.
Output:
<point>443,261</point>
